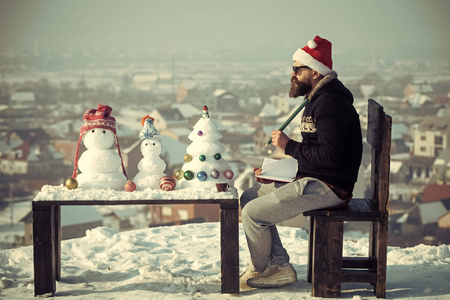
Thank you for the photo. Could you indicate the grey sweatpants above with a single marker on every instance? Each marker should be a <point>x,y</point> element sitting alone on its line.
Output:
<point>264,205</point>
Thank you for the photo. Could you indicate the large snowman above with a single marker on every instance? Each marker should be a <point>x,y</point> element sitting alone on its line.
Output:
<point>100,166</point>
<point>151,167</point>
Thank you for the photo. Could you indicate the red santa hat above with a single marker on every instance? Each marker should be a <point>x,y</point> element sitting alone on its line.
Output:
<point>316,55</point>
<point>98,118</point>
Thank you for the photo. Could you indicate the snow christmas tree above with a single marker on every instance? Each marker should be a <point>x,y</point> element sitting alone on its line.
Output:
<point>204,164</point>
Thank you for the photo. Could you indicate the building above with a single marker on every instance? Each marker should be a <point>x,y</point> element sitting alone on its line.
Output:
<point>283,102</point>
<point>422,219</point>
<point>75,220</point>
<point>30,153</point>
<point>435,192</point>
<point>441,167</point>
<point>178,214</point>
<point>144,81</point>
<point>168,118</point>
<point>222,101</point>
<point>432,136</point>
<point>22,100</point>
<point>421,88</point>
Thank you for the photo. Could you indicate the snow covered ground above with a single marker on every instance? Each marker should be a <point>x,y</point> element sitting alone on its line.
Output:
<point>183,262</point>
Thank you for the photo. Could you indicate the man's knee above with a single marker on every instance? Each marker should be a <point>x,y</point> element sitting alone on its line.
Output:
<point>247,196</point>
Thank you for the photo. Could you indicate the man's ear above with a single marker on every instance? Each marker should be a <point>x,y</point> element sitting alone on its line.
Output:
<point>316,75</point>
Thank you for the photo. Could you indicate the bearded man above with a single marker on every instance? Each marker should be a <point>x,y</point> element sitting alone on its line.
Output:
<point>328,156</point>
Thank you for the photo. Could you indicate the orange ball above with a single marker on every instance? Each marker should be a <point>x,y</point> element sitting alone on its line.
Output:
<point>130,186</point>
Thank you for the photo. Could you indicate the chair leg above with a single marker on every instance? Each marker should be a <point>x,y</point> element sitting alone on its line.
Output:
<point>381,252</point>
<point>327,258</point>
<point>310,248</point>
<point>373,236</point>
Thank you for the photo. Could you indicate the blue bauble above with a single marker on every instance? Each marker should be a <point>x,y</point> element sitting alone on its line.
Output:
<point>202,175</point>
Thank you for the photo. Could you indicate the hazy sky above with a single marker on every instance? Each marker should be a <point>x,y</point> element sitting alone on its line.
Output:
<point>225,24</point>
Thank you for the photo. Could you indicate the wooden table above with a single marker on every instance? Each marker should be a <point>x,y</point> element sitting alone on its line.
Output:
<point>47,238</point>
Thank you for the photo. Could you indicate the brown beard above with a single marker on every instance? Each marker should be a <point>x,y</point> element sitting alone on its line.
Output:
<point>298,89</point>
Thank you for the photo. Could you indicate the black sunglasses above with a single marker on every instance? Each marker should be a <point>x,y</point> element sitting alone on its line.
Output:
<point>296,68</point>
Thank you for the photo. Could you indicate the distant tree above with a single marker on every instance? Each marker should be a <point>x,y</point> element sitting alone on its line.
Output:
<point>126,81</point>
<point>44,92</point>
<point>441,87</point>
<point>373,79</point>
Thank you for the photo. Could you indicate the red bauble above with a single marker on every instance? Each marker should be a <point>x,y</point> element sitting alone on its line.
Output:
<point>167,183</point>
<point>130,186</point>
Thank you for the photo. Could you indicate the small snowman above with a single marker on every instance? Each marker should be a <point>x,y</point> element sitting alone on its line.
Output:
<point>151,167</point>
<point>99,164</point>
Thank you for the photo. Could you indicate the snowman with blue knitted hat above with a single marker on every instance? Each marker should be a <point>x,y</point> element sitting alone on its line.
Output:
<point>151,167</point>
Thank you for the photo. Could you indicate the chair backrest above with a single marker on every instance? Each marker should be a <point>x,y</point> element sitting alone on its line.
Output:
<point>379,137</point>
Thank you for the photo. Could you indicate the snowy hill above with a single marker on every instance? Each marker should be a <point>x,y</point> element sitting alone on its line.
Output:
<point>183,262</point>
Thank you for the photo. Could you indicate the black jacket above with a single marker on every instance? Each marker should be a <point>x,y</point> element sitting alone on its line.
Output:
<point>331,149</point>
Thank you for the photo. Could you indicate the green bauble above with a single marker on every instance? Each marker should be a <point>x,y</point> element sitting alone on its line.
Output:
<point>202,157</point>
<point>188,175</point>
<point>217,156</point>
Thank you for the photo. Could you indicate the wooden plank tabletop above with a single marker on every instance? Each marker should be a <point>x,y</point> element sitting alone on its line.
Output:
<point>231,202</point>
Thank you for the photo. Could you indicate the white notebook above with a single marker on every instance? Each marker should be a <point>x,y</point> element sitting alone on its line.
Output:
<point>283,170</point>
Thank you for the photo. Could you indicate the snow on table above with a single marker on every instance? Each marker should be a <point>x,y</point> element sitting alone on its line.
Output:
<point>60,193</point>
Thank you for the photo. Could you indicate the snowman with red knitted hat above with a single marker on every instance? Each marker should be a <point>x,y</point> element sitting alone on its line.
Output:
<point>100,166</point>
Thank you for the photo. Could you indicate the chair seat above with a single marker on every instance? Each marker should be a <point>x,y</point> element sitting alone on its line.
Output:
<point>357,210</point>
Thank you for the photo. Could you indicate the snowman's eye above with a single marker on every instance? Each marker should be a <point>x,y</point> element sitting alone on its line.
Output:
<point>104,131</point>
<point>93,130</point>
<point>146,144</point>
<point>154,144</point>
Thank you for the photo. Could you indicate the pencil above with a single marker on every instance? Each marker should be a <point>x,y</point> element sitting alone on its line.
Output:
<point>289,120</point>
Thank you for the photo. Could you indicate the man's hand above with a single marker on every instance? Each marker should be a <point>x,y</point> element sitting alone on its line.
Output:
<point>279,139</point>
<point>257,172</point>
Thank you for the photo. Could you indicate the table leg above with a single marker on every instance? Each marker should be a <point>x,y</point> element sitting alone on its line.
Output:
<point>229,236</point>
<point>44,250</point>
<point>57,226</point>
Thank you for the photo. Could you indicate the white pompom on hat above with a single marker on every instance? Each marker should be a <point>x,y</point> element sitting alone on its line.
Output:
<point>316,55</point>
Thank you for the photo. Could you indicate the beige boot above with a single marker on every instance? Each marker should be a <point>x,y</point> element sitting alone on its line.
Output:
<point>274,276</point>
<point>248,274</point>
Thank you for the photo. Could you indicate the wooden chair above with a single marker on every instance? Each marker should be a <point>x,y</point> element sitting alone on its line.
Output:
<point>326,266</point>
